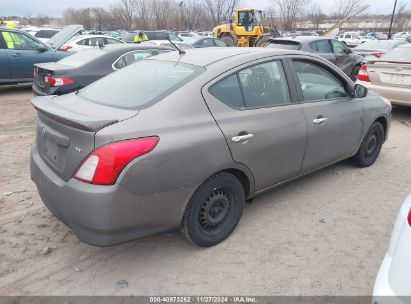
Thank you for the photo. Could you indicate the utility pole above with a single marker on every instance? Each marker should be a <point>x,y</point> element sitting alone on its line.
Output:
<point>181,4</point>
<point>392,19</point>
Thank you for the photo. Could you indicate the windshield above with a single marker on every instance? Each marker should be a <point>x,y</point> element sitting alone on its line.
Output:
<point>398,55</point>
<point>81,58</point>
<point>140,83</point>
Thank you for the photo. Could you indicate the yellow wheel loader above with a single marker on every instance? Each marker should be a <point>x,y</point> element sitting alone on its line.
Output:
<point>246,30</point>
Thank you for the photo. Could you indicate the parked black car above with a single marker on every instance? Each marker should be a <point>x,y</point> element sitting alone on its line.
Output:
<point>80,69</point>
<point>331,49</point>
<point>207,42</point>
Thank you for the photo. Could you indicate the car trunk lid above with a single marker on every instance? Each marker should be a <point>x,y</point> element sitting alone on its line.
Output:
<point>41,70</point>
<point>390,74</point>
<point>64,35</point>
<point>66,127</point>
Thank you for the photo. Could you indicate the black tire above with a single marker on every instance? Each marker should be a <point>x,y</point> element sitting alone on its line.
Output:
<point>371,146</point>
<point>229,39</point>
<point>262,41</point>
<point>214,210</point>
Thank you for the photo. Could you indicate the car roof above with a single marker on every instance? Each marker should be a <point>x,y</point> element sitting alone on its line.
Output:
<point>131,47</point>
<point>207,56</point>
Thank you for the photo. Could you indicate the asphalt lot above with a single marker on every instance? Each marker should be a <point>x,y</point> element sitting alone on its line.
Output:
<point>325,234</point>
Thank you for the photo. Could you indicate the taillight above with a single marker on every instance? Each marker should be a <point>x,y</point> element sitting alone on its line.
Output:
<point>58,81</point>
<point>65,48</point>
<point>363,74</point>
<point>34,73</point>
<point>409,218</point>
<point>377,54</point>
<point>104,165</point>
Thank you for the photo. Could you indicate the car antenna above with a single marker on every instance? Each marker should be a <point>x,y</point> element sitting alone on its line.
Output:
<point>180,51</point>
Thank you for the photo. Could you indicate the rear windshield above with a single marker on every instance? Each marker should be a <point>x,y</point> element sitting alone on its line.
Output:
<point>81,58</point>
<point>46,33</point>
<point>377,44</point>
<point>289,45</point>
<point>398,55</point>
<point>141,83</point>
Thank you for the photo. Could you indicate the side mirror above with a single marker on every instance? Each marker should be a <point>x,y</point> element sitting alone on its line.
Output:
<point>349,51</point>
<point>360,91</point>
<point>41,48</point>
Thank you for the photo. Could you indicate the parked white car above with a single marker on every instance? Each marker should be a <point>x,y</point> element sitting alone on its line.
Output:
<point>83,42</point>
<point>186,36</point>
<point>394,276</point>
<point>401,35</point>
<point>352,39</point>
<point>44,34</point>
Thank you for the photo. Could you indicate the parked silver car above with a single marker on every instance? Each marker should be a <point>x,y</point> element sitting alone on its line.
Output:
<point>183,140</point>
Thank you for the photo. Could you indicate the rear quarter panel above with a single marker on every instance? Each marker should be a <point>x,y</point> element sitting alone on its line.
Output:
<point>191,149</point>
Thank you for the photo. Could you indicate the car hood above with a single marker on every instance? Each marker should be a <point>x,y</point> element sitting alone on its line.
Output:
<point>64,35</point>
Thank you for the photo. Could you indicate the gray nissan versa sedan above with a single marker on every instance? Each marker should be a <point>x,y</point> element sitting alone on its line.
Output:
<point>183,140</point>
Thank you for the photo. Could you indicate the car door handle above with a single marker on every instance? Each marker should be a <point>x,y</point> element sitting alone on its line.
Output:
<point>17,55</point>
<point>320,120</point>
<point>241,138</point>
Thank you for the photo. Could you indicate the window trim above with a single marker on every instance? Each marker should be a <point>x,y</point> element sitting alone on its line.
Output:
<point>122,56</point>
<point>343,78</point>
<point>235,71</point>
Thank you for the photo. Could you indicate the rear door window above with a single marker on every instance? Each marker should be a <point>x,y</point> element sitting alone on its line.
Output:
<point>208,42</point>
<point>317,83</point>
<point>323,46</point>
<point>262,85</point>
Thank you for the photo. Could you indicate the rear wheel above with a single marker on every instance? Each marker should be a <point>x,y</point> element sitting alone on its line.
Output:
<point>214,210</point>
<point>262,41</point>
<point>229,39</point>
<point>371,146</point>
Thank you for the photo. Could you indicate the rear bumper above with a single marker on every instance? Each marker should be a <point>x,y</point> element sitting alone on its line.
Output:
<point>106,215</point>
<point>397,96</point>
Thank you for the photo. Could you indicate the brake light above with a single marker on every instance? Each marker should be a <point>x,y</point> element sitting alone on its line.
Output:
<point>409,218</point>
<point>65,48</point>
<point>377,54</point>
<point>104,165</point>
<point>34,73</point>
<point>58,81</point>
<point>363,74</point>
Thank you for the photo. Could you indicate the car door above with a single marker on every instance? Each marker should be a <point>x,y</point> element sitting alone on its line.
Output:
<point>335,119</point>
<point>264,128</point>
<point>23,53</point>
<point>343,59</point>
<point>4,61</point>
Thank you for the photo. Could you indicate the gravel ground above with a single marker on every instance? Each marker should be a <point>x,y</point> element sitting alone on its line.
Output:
<point>325,234</point>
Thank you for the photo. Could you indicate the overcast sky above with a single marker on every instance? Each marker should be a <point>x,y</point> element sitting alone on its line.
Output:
<point>55,7</point>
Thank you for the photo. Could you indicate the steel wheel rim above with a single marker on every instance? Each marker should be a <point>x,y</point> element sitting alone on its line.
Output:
<point>215,210</point>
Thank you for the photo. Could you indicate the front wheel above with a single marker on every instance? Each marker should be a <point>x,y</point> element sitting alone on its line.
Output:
<point>371,146</point>
<point>214,210</point>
